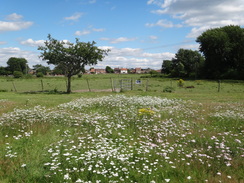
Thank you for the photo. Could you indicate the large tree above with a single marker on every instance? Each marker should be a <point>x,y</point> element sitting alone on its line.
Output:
<point>72,57</point>
<point>17,64</point>
<point>166,67</point>
<point>187,63</point>
<point>223,49</point>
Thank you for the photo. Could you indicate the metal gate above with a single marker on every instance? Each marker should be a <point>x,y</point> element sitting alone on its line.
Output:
<point>123,85</point>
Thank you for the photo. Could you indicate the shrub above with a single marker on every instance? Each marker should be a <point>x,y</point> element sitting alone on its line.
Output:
<point>168,89</point>
<point>17,74</point>
<point>39,75</point>
<point>79,75</point>
<point>180,82</point>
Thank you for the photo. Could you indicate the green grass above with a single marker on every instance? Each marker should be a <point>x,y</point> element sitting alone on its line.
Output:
<point>192,135</point>
<point>106,81</point>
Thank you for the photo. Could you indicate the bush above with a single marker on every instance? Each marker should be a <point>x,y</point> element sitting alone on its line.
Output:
<point>79,75</point>
<point>17,74</point>
<point>180,82</point>
<point>39,75</point>
<point>168,89</point>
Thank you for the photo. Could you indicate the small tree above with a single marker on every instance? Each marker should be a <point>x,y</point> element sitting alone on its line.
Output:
<point>17,64</point>
<point>109,69</point>
<point>72,57</point>
<point>41,69</point>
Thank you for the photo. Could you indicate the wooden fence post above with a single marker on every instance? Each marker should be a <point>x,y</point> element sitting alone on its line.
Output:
<point>112,84</point>
<point>147,85</point>
<point>42,85</point>
<point>219,85</point>
<point>88,85</point>
<point>14,87</point>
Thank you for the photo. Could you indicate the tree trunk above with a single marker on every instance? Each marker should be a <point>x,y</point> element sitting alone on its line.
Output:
<point>69,84</point>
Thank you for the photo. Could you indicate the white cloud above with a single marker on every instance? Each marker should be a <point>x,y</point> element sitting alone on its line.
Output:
<point>88,31</point>
<point>14,17</point>
<point>2,42</point>
<point>32,43</point>
<point>14,26</point>
<point>163,23</point>
<point>117,57</point>
<point>199,14</point>
<point>31,57</point>
<point>74,17</point>
<point>82,33</point>
<point>118,40</point>
<point>98,30</point>
<point>15,23</point>
<point>153,37</point>
<point>134,57</point>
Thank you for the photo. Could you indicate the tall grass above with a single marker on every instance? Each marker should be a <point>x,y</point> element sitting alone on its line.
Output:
<point>123,138</point>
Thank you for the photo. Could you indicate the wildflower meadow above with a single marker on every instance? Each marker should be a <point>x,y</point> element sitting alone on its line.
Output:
<point>121,138</point>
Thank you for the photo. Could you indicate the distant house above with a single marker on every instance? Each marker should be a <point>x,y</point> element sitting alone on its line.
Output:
<point>123,71</point>
<point>138,70</point>
<point>100,71</point>
<point>97,71</point>
<point>116,70</point>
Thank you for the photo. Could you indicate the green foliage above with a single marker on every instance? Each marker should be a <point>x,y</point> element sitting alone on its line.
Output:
<point>40,68</point>
<point>109,69</point>
<point>180,82</point>
<point>79,75</point>
<point>168,89</point>
<point>3,71</point>
<point>17,74</point>
<point>71,57</point>
<point>167,67</point>
<point>39,75</point>
<point>224,52</point>
<point>17,64</point>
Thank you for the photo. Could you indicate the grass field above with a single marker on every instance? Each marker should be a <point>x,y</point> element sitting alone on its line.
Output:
<point>189,135</point>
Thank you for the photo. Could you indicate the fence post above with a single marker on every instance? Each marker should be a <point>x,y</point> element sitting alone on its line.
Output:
<point>112,84</point>
<point>14,86</point>
<point>131,84</point>
<point>147,85</point>
<point>88,85</point>
<point>219,85</point>
<point>42,85</point>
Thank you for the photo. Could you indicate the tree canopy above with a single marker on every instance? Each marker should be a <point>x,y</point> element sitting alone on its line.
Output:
<point>72,57</point>
<point>41,69</point>
<point>17,64</point>
<point>223,49</point>
<point>109,69</point>
<point>187,63</point>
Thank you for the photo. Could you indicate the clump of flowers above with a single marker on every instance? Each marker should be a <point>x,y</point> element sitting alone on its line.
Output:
<point>180,82</point>
<point>146,112</point>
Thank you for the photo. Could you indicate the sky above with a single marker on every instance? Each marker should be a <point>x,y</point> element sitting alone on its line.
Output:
<point>139,33</point>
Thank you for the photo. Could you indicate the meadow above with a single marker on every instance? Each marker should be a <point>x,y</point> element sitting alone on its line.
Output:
<point>188,135</point>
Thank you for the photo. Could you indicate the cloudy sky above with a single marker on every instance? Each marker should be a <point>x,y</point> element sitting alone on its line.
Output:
<point>140,33</point>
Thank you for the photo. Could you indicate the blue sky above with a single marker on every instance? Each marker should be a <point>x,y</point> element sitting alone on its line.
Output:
<point>140,33</point>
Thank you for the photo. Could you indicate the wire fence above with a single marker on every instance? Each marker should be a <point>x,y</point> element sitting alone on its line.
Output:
<point>117,85</point>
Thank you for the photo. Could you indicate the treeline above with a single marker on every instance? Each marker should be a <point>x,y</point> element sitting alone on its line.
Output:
<point>221,56</point>
<point>18,67</point>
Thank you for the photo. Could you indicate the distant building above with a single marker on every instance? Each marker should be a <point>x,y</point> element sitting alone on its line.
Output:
<point>100,71</point>
<point>124,71</point>
<point>97,71</point>
<point>116,70</point>
<point>138,70</point>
